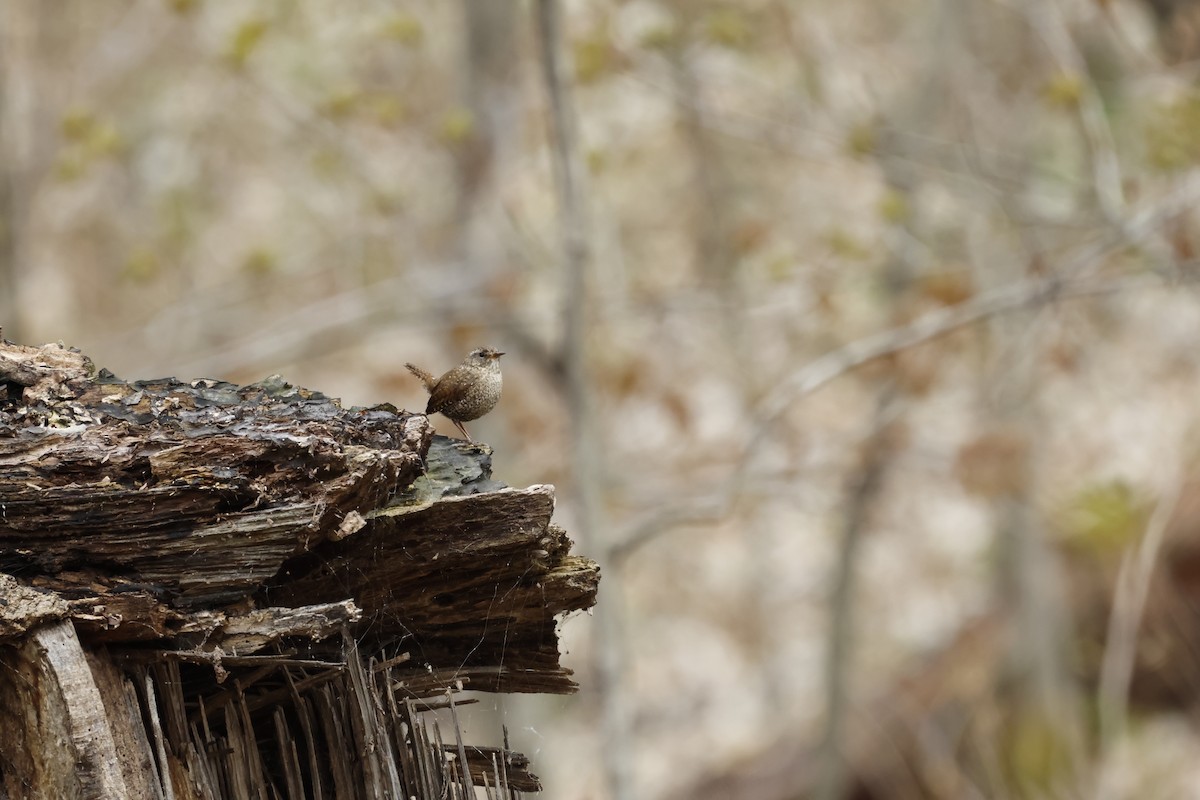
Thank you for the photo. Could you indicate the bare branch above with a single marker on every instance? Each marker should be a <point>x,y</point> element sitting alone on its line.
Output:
<point>1022,295</point>
<point>863,490</point>
<point>586,458</point>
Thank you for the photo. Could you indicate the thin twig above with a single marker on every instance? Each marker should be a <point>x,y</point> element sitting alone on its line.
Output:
<point>1129,603</point>
<point>709,509</point>
<point>863,491</point>
<point>468,782</point>
<point>1046,17</point>
<point>160,747</point>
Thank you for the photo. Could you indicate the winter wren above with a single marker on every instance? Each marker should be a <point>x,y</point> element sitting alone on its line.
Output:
<point>466,392</point>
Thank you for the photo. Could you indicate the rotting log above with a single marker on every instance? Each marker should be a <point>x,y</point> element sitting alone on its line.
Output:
<point>210,590</point>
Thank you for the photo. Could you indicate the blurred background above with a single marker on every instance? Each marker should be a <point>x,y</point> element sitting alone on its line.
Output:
<point>859,338</point>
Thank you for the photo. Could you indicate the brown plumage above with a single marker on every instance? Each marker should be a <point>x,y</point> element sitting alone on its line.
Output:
<point>466,392</point>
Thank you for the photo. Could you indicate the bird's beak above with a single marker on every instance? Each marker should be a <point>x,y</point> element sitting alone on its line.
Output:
<point>496,355</point>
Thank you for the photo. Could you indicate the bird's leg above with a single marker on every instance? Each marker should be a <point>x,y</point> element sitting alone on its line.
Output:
<point>463,428</point>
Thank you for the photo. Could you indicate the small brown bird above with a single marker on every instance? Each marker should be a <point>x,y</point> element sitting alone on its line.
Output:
<point>466,392</point>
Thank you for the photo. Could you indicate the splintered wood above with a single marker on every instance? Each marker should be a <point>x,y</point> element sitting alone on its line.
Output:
<point>219,591</point>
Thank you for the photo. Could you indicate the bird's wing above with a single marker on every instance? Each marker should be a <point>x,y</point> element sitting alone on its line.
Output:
<point>441,392</point>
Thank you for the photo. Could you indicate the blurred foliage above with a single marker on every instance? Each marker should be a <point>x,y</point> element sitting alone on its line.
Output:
<point>1103,519</point>
<point>260,261</point>
<point>88,140</point>
<point>343,102</point>
<point>245,39</point>
<point>844,244</point>
<point>405,29</point>
<point>947,288</point>
<point>1171,140</point>
<point>664,36</point>
<point>184,6</point>
<point>142,265</point>
<point>994,464</point>
<point>457,126</point>
<point>1038,753</point>
<point>863,139</point>
<point>1063,90</point>
<point>729,27</point>
<point>594,56</point>
<point>894,206</point>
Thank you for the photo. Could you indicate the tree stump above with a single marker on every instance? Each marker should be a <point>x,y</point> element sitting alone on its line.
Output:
<point>220,591</point>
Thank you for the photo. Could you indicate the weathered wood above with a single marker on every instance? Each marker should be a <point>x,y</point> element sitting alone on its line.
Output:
<point>475,581</point>
<point>23,607</point>
<point>200,490</point>
<point>485,761</point>
<point>263,582</point>
<point>149,504</point>
<point>124,719</point>
<point>55,738</point>
<point>41,376</point>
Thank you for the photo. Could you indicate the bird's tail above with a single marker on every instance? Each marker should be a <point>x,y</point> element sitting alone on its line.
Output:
<point>425,377</point>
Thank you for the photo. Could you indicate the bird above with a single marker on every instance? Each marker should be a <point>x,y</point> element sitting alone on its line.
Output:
<point>467,391</point>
